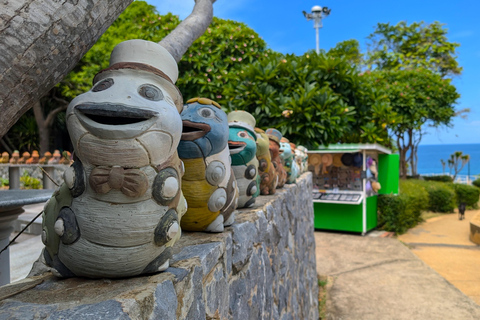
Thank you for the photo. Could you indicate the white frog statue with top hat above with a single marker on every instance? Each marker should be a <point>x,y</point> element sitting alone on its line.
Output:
<point>118,212</point>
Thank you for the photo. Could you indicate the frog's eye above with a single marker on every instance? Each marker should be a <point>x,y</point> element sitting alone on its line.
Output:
<point>103,85</point>
<point>243,134</point>
<point>206,113</point>
<point>150,92</point>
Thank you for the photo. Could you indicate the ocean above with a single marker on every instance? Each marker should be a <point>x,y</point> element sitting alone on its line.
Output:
<point>429,157</point>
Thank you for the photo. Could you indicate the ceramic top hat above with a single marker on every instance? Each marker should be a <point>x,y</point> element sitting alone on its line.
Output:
<point>274,134</point>
<point>149,57</point>
<point>347,159</point>
<point>358,160</point>
<point>242,119</point>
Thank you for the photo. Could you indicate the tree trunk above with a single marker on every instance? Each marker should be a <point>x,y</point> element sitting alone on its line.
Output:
<point>41,42</point>
<point>181,38</point>
<point>44,124</point>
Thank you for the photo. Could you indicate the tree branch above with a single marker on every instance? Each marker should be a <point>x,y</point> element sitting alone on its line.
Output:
<point>182,37</point>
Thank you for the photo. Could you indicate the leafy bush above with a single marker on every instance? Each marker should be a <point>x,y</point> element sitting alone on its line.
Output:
<point>398,213</point>
<point>442,197</point>
<point>443,178</point>
<point>468,194</point>
<point>4,182</point>
<point>29,182</point>
<point>476,183</point>
<point>417,192</point>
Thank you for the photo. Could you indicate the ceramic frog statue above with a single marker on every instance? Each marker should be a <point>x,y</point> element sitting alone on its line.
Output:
<point>274,135</point>
<point>119,211</point>
<point>288,161</point>
<point>266,170</point>
<point>243,149</point>
<point>209,183</point>
<point>301,157</point>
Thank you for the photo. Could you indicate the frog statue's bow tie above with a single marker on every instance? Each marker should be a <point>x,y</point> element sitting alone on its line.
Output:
<point>131,182</point>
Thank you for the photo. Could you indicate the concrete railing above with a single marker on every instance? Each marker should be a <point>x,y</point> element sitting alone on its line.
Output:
<point>13,172</point>
<point>262,267</point>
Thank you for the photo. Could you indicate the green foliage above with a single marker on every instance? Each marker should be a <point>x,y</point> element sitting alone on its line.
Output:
<point>416,96</point>
<point>457,162</point>
<point>443,178</point>
<point>29,182</point>
<point>23,136</point>
<point>467,194</point>
<point>410,63</point>
<point>441,196</point>
<point>221,51</point>
<point>398,213</point>
<point>349,49</point>
<point>219,55</point>
<point>139,21</point>
<point>313,99</point>
<point>418,45</point>
<point>476,183</point>
<point>4,182</point>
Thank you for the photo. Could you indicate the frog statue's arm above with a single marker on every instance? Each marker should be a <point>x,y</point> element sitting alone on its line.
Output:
<point>59,222</point>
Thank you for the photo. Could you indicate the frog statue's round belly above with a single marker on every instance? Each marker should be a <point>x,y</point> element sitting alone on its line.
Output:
<point>124,221</point>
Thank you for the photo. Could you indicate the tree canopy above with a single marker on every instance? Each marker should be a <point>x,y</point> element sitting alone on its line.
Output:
<point>411,63</point>
<point>403,46</point>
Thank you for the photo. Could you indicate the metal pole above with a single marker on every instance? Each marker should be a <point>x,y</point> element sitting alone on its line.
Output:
<point>364,203</point>
<point>468,179</point>
<point>318,40</point>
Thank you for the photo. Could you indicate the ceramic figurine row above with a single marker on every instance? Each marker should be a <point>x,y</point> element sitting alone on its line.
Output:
<point>138,178</point>
<point>34,158</point>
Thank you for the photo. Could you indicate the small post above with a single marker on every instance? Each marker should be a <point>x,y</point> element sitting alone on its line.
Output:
<point>14,177</point>
<point>47,183</point>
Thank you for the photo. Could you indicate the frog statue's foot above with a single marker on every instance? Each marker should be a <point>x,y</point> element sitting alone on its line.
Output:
<point>58,269</point>
<point>230,220</point>
<point>216,225</point>
<point>160,263</point>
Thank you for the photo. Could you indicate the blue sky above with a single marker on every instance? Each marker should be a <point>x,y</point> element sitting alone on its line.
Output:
<point>282,25</point>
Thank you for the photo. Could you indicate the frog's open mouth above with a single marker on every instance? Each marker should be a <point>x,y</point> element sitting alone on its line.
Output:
<point>194,130</point>
<point>236,146</point>
<point>114,115</point>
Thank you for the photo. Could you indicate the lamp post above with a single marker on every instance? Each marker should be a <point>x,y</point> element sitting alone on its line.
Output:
<point>317,14</point>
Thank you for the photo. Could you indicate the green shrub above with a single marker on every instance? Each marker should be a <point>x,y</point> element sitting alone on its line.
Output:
<point>29,182</point>
<point>441,199</point>
<point>468,194</point>
<point>417,192</point>
<point>397,213</point>
<point>443,178</point>
<point>476,183</point>
<point>4,182</point>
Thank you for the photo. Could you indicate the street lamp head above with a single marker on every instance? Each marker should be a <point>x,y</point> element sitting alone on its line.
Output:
<point>316,9</point>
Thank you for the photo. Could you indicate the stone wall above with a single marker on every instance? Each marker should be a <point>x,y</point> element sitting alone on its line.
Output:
<point>262,267</point>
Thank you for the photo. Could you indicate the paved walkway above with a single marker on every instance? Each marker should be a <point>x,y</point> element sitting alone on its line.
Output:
<point>381,278</point>
<point>443,243</point>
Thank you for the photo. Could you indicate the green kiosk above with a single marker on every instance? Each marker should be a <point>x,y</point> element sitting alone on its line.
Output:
<point>346,181</point>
